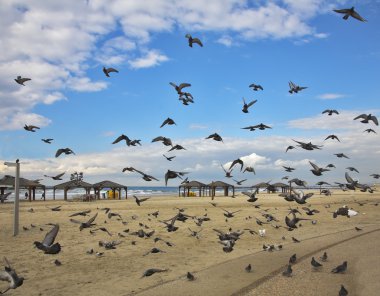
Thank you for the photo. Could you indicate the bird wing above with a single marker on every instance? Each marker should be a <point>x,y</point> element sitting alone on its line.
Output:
<point>109,70</point>
<point>183,85</point>
<point>345,10</point>
<point>374,119</point>
<point>197,41</point>
<point>151,177</point>
<point>356,15</point>
<point>50,236</point>
<point>92,219</point>
<point>165,122</point>
<point>59,152</point>
<point>159,138</point>
<point>59,175</point>
<point>120,138</point>
<point>326,111</point>
<point>348,178</point>
<point>364,116</point>
<point>251,103</point>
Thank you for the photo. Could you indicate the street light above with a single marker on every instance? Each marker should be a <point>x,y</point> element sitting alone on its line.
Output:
<point>17,195</point>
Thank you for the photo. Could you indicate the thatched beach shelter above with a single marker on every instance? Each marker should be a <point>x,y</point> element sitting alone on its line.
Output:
<point>220,184</point>
<point>192,184</point>
<point>261,185</point>
<point>9,181</point>
<point>109,184</point>
<point>66,186</point>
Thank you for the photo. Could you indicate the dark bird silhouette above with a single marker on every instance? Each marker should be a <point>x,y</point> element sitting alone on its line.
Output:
<point>376,176</point>
<point>239,182</point>
<point>47,244</point>
<point>145,177</point>
<point>256,87</point>
<point>315,263</point>
<point>369,130</point>
<point>288,169</point>
<point>310,212</point>
<point>250,170</point>
<point>192,40</point>
<point>57,177</point>
<point>366,118</point>
<point>215,137</point>
<point>31,128</point>
<point>107,71</point>
<point>288,272</point>
<point>248,268</point>
<point>350,12</point>
<point>179,88</point>
<point>168,121</point>
<point>152,271</point>
<point>246,106</point>
<point>330,112</point>
<point>228,173</point>
<point>295,240</point>
<point>295,88</point>
<point>330,165</point>
<point>173,174</point>
<point>87,224</point>
<point>237,161</point>
<point>170,158</point>
<point>121,138</point>
<point>57,262</point>
<point>293,259</point>
<point>140,200</point>
<point>82,213</point>
<point>164,140</point>
<point>21,80</point>
<point>341,155</point>
<point>308,146</point>
<point>292,223</point>
<point>343,291</point>
<point>340,268</point>
<point>47,141</point>
<point>317,171</point>
<point>55,209</point>
<point>177,147</point>
<point>229,214</point>
<point>260,126</point>
<point>332,137</point>
<point>66,151</point>
<point>9,275</point>
<point>352,169</point>
<point>251,195</point>
<point>3,197</point>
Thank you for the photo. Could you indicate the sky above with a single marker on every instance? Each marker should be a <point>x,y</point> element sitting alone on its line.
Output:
<point>64,45</point>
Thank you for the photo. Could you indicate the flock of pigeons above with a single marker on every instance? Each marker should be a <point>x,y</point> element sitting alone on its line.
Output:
<point>226,239</point>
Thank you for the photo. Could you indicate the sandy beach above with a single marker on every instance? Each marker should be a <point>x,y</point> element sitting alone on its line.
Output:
<point>119,271</point>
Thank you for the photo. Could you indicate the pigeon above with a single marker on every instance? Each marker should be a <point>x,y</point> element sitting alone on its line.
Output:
<point>246,106</point>
<point>369,130</point>
<point>340,268</point>
<point>365,118</point>
<point>228,214</point>
<point>293,259</point>
<point>352,169</point>
<point>170,158</point>
<point>341,155</point>
<point>104,230</point>
<point>31,128</point>
<point>66,151</point>
<point>82,213</point>
<point>190,276</point>
<point>140,200</point>
<point>251,195</point>
<point>152,271</point>
<point>343,291</point>
<point>239,182</point>
<point>193,40</point>
<point>315,263</point>
<point>250,170</point>
<point>177,147</point>
<point>145,177</point>
<point>248,268</point>
<point>288,272</point>
<point>256,87</point>
<point>57,177</point>
<point>107,71</point>
<point>165,141</point>
<point>289,148</point>
<point>9,275</point>
<point>308,146</point>
<point>295,88</point>
<point>87,224</point>
<point>3,197</point>
<point>173,174</point>
<point>47,141</point>
<point>332,137</point>
<point>350,12</point>
<point>228,173</point>
<point>260,126</point>
<point>376,176</point>
<point>21,80</point>
<point>324,257</point>
<point>121,138</point>
<point>47,244</point>
<point>168,121</point>
<point>317,171</point>
<point>330,112</point>
<point>237,161</point>
<point>215,137</point>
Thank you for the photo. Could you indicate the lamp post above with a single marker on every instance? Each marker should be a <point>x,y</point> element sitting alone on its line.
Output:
<point>17,195</point>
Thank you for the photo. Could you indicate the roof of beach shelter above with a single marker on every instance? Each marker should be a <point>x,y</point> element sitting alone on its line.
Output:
<point>280,184</point>
<point>8,180</point>
<point>193,184</point>
<point>220,184</point>
<point>108,184</point>
<point>261,185</point>
<point>73,184</point>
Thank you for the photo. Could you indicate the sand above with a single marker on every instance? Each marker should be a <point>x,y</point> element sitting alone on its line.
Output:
<point>119,271</point>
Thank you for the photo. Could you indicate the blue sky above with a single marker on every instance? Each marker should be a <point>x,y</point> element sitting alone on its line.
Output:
<point>63,47</point>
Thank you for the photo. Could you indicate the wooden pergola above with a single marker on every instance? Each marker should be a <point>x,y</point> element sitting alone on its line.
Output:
<point>220,184</point>
<point>192,184</point>
<point>66,186</point>
<point>112,185</point>
<point>284,187</point>
<point>261,185</point>
<point>9,181</point>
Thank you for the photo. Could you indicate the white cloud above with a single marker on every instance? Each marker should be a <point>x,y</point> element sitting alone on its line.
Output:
<point>226,40</point>
<point>151,59</point>
<point>331,96</point>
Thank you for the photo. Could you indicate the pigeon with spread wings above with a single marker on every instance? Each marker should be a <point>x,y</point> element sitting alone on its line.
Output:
<point>47,244</point>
